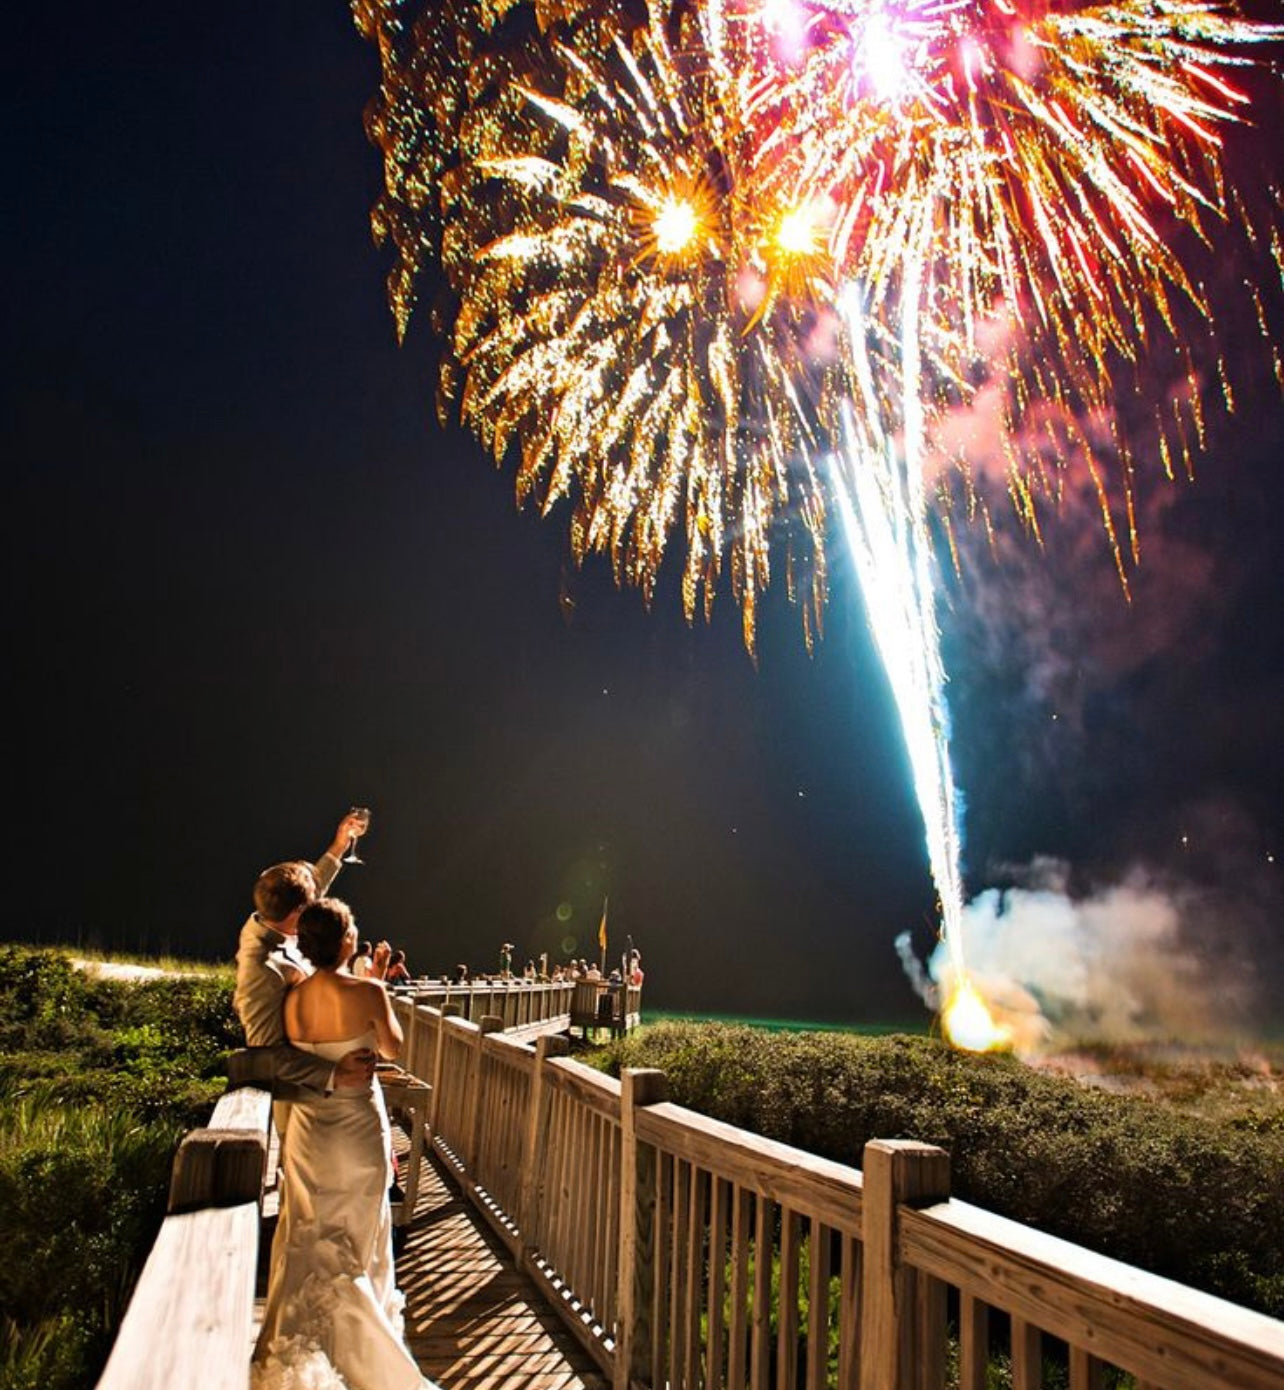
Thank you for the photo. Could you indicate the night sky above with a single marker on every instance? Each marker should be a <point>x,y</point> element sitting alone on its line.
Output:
<point>250,581</point>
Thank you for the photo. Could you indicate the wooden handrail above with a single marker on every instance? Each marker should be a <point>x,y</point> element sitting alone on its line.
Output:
<point>688,1254</point>
<point>191,1314</point>
<point>684,1252</point>
<point>1162,1331</point>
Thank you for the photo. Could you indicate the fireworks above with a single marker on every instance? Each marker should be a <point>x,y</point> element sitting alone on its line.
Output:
<point>635,319</point>
<point>654,220</point>
<point>648,225</point>
<point>1043,165</point>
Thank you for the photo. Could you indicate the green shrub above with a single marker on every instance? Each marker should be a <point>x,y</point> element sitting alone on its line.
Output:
<point>99,1080</point>
<point>1194,1200</point>
<point>47,1355</point>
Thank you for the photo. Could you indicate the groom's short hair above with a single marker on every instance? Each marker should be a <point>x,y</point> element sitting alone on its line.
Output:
<point>283,889</point>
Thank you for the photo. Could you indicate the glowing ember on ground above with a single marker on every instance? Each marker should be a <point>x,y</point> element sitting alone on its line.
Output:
<point>968,1024</point>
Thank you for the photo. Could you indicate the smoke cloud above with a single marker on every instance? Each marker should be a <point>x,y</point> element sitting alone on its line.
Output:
<point>1139,960</point>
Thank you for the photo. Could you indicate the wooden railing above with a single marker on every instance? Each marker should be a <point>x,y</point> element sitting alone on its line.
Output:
<point>527,1006</point>
<point>687,1254</point>
<point>190,1319</point>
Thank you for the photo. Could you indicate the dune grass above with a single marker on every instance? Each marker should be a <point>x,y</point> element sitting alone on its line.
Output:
<point>99,1078</point>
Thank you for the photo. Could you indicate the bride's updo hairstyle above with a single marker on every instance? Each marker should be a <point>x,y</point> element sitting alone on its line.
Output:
<point>323,925</point>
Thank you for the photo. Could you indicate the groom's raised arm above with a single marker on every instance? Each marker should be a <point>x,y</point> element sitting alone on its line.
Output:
<point>326,869</point>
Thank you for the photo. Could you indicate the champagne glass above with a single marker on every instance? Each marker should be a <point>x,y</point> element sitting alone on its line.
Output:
<point>362,816</point>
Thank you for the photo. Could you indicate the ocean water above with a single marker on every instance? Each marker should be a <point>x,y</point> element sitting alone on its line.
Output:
<point>921,1025</point>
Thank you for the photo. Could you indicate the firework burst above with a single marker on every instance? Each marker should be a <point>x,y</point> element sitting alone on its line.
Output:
<point>1042,164</point>
<point>653,217</point>
<point>639,316</point>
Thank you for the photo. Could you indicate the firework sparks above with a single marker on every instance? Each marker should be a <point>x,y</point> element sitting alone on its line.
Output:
<point>638,316</point>
<point>1042,160</point>
<point>650,225</point>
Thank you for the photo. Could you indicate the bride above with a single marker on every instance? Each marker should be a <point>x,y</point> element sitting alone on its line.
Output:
<point>333,1314</point>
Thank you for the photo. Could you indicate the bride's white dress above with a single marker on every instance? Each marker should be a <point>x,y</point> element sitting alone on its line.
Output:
<point>333,1310</point>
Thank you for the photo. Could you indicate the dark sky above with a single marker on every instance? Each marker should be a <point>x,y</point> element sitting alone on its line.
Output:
<point>250,581</point>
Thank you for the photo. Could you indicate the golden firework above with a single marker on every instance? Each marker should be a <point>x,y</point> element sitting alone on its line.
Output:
<point>649,224</point>
<point>639,314</point>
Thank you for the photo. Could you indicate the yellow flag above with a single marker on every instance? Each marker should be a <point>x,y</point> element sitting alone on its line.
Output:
<point>601,931</point>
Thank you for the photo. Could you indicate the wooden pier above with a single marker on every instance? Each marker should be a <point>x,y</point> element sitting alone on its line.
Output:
<point>473,1321</point>
<point>576,1230</point>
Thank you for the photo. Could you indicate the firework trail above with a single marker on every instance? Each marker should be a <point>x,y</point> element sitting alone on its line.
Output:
<point>652,218</point>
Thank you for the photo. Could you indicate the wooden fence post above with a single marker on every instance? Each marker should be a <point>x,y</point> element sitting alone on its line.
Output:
<point>490,1023</point>
<point>900,1349</point>
<point>222,1166</point>
<point>438,1063</point>
<point>536,1136</point>
<point>639,1175</point>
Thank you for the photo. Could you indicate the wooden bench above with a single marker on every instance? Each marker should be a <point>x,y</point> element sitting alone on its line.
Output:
<point>406,1098</point>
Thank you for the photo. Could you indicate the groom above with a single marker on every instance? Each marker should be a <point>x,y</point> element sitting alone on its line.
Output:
<point>267,962</point>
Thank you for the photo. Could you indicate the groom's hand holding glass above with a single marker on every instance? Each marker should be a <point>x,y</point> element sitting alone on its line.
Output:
<point>351,828</point>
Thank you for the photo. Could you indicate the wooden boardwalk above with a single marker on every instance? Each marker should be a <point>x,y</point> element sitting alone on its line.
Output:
<point>473,1320</point>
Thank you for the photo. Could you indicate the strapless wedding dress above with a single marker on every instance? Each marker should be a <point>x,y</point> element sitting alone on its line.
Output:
<point>334,1315</point>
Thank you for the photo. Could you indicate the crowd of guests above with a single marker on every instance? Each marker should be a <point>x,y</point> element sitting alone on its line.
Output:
<point>541,972</point>
<point>380,962</point>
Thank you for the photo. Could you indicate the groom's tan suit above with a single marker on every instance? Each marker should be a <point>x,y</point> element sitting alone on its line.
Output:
<point>259,999</point>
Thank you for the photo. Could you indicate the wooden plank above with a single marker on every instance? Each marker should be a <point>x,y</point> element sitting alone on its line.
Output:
<point>218,1167</point>
<point>245,1108</point>
<point>580,1196</point>
<point>1152,1327</point>
<point>559,1189</point>
<point>811,1186</point>
<point>660,1266</point>
<point>693,1298</point>
<point>787,1304</point>
<point>611,1245</point>
<point>849,1314</point>
<point>634,1355</point>
<point>588,1087</point>
<point>931,1333</point>
<point>1086,1372</point>
<point>189,1321</point>
<point>818,1273</point>
<point>760,1313</point>
<point>715,1353</point>
<point>1027,1355</point>
<point>472,1318</point>
<point>974,1342</point>
<point>596,1195</point>
<point>897,1172</point>
<point>737,1332</point>
<point>536,1122</point>
<point>678,1273</point>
